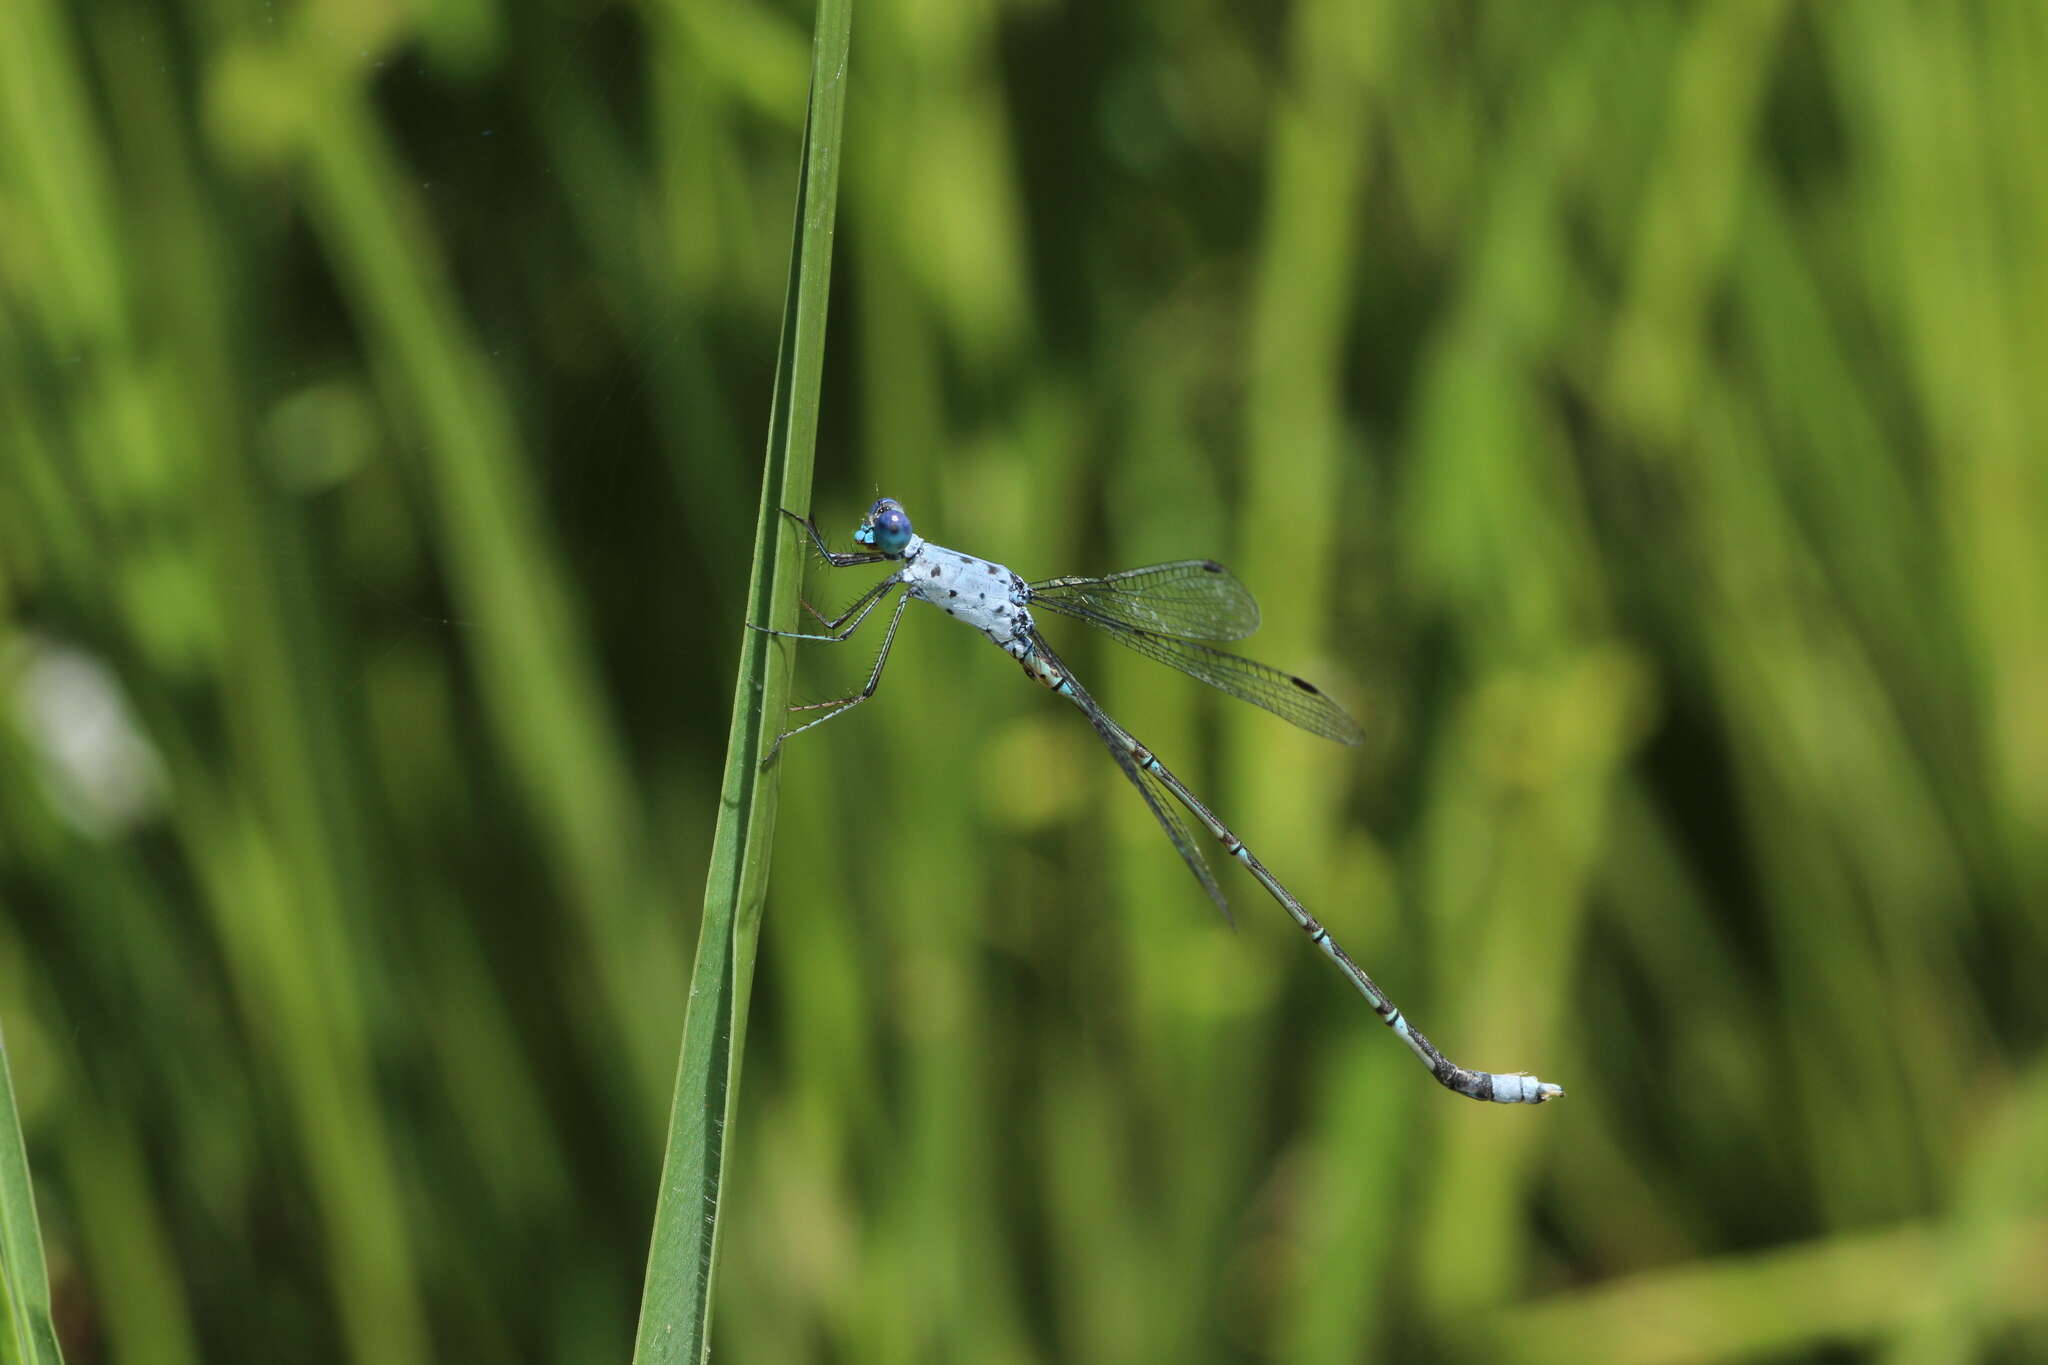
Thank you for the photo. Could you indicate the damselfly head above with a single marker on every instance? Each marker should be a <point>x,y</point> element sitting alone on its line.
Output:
<point>886,527</point>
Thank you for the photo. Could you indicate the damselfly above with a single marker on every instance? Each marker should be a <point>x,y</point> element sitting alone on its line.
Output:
<point>1166,612</point>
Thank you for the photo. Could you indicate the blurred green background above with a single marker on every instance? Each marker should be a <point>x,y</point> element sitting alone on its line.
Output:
<point>1634,413</point>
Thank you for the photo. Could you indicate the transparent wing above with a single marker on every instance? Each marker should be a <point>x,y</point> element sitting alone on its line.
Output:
<point>1164,808</point>
<point>1193,599</point>
<point>1295,700</point>
<point>1168,814</point>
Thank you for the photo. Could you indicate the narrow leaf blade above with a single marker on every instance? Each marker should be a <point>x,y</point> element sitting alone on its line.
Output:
<point>675,1308</point>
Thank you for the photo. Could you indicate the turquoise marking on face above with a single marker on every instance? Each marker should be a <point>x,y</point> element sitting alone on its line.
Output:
<point>886,527</point>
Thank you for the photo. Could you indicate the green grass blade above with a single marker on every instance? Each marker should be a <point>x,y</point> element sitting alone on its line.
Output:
<point>675,1308</point>
<point>27,1336</point>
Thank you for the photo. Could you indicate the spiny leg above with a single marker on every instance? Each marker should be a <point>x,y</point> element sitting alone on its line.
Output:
<point>835,622</point>
<point>833,557</point>
<point>845,704</point>
<point>862,605</point>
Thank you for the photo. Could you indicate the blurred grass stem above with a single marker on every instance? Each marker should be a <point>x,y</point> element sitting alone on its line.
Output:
<point>26,1334</point>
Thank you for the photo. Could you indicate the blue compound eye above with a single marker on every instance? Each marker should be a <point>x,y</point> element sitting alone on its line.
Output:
<point>887,527</point>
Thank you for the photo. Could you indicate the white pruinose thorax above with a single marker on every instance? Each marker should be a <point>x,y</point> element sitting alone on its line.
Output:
<point>983,594</point>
